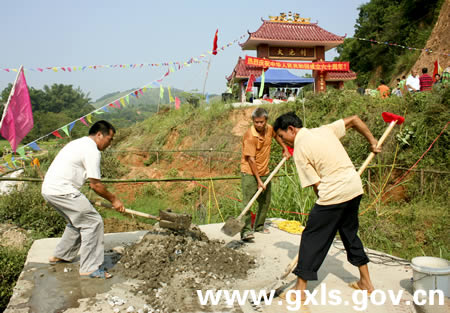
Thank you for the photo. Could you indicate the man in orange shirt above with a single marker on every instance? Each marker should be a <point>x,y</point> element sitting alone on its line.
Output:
<point>383,89</point>
<point>256,144</point>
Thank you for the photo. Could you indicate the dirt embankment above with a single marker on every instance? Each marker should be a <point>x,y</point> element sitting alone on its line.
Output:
<point>438,43</point>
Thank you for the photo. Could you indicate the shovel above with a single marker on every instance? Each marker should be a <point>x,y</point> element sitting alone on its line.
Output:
<point>235,225</point>
<point>166,219</point>
<point>390,118</point>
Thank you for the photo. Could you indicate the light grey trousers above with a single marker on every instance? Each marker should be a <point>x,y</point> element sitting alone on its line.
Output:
<point>84,231</point>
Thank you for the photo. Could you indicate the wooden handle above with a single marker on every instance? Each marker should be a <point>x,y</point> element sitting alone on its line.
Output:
<point>380,142</point>
<point>260,188</point>
<point>290,267</point>
<point>129,211</point>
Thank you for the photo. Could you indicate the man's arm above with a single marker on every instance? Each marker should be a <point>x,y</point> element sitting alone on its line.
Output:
<point>252,162</point>
<point>286,153</point>
<point>101,190</point>
<point>361,127</point>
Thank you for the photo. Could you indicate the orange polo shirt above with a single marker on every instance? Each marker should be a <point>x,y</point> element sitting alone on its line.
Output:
<point>384,91</point>
<point>257,146</point>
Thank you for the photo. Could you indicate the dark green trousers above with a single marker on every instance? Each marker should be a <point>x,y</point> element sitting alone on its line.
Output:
<point>249,188</point>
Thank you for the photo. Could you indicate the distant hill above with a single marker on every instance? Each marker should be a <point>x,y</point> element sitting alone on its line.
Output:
<point>145,105</point>
<point>149,99</point>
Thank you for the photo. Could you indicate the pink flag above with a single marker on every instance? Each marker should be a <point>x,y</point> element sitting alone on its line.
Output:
<point>84,122</point>
<point>177,103</point>
<point>17,118</point>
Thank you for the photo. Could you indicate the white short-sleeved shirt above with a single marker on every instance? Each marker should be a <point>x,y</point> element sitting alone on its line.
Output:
<point>72,166</point>
<point>413,82</point>
<point>320,157</point>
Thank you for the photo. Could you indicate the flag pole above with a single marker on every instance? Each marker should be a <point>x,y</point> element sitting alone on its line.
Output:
<point>10,95</point>
<point>206,76</point>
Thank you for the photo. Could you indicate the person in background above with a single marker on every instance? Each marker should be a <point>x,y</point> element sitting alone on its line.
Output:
<point>426,82</point>
<point>437,81</point>
<point>384,90</point>
<point>293,96</point>
<point>360,90</point>
<point>256,145</point>
<point>402,85</point>
<point>277,94</point>
<point>413,82</point>
<point>397,90</point>
<point>282,94</point>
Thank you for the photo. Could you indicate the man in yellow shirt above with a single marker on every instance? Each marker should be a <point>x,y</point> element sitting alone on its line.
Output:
<point>323,163</point>
<point>256,144</point>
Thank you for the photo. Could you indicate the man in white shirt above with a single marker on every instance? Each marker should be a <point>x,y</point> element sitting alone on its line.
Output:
<point>413,82</point>
<point>78,161</point>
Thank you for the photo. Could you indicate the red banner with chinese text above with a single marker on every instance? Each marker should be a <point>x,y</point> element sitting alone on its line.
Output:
<point>318,66</point>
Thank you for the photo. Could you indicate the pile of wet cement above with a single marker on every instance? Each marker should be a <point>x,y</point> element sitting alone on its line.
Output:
<point>173,266</point>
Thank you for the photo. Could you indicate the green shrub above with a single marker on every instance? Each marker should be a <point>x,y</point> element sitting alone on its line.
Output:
<point>27,209</point>
<point>11,264</point>
<point>111,166</point>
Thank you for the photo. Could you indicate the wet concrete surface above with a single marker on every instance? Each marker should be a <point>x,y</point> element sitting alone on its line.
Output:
<point>58,287</point>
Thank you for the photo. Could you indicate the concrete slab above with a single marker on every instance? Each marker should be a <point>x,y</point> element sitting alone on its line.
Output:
<point>58,288</point>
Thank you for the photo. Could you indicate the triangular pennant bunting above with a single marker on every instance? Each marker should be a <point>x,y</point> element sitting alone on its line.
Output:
<point>71,126</point>
<point>56,134</point>
<point>65,130</point>
<point>83,121</point>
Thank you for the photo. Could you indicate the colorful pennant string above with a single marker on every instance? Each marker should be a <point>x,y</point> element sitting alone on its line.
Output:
<point>171,65</point>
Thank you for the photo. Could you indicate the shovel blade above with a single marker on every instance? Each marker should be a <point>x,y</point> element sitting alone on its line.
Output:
<point>232,226</point>
<point>174,221</point>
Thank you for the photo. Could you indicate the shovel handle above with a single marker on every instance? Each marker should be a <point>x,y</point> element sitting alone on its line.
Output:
<point>260,189</point>
<point>129,211</point>
<point>380,142</point>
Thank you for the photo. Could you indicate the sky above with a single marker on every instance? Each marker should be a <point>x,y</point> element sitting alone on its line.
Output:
<point>49,33</point>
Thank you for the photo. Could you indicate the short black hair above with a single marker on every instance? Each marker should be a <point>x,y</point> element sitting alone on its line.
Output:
<point>286,120</point>
<point>424,70</point>
<point>101,126</point>
<point>382,82</point>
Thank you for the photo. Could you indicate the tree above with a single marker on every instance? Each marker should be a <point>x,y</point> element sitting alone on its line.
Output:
<point>405,22</point>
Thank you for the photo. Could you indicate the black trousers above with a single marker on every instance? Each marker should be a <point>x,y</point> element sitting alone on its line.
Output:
<point>323,223</point>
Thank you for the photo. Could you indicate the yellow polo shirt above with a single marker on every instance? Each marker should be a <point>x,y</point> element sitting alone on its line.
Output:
<point>320,157</point>
<point>257,146</point>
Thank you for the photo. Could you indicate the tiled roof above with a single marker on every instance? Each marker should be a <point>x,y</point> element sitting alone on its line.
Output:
<point>337,76</point>
<point>241,70</point>
<point>292,32</point>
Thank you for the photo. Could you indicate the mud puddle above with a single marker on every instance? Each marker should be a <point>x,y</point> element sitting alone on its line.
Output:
<point>58,287</point>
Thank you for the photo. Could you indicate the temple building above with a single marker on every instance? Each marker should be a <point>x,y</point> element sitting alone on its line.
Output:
<point>290,37</point>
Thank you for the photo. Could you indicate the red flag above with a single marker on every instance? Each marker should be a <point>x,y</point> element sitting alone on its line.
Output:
<point>251,80</point>
<point>214,51</point>
<point>56,134</point>
<point>437,69</point>
<point>177,103</point>
<point>17,118</point>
